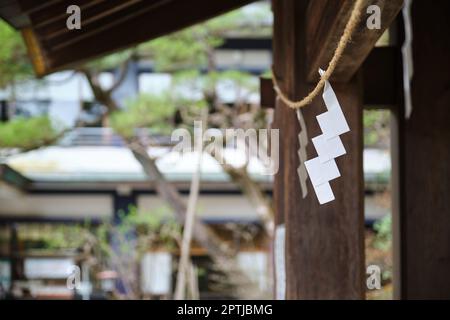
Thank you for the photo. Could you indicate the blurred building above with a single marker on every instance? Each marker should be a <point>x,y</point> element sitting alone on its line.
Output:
<point>91,176</point>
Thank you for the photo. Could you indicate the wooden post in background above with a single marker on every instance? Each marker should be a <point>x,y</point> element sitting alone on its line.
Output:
<point>324,244</point>
<point>424,159</point>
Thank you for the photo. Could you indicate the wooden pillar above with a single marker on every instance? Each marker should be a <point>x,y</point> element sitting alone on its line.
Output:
<point>324,243</point>
<point>424,159</point>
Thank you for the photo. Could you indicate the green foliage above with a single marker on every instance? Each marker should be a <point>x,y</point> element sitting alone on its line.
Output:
<point>155,228</point>
<point>15,66</point>
<point>182,54</point>
<point>188,81</point>
<point>27,133</point>
<point>155,111</point>
<point>383,238</point>
<point>376,128</point>
<point>139,232</point>
<point>191,47</point>
<point>194,81</point>
<point>63,237</point>
<point>186,52</point>
<point>158,111</point>
<point>267,74</point>
<point>239,79</point>
<point>184,49</point>
<point>14,62</point>
<point>109,62</point>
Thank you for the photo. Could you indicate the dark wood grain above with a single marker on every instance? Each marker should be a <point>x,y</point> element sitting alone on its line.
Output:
<point>381,80</point>
<point>267,93</point>
<point>136,23</point>
<point>326,23</point>
<point>108,26</point>
<point>425,159</point>
<point>324,244</point>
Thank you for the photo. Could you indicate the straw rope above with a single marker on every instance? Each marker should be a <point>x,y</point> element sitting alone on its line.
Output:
<point>352,23</point>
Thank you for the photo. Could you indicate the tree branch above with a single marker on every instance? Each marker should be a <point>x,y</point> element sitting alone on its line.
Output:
<point>101,95</point>
<point>217,249</point>
<point>123,74</point>
<point>252,190</point>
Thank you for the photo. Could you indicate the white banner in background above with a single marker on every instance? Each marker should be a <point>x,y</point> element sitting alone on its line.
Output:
<point>280,263</point>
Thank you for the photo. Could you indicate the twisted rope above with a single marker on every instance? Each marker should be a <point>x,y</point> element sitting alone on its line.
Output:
<point>352,23</point>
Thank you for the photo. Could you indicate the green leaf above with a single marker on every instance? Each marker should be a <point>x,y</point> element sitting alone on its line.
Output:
<point>28,133</point>
<point>155,111</point>
<point>14,62</point>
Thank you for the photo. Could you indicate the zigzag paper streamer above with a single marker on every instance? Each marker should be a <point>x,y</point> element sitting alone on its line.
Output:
<point>328,145</point>
<point>303,143</point>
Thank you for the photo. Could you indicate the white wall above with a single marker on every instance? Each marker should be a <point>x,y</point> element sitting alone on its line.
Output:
<point>57,206</point>
<point>209,206</point>
<point>156,273</point>
<point>255,265</point>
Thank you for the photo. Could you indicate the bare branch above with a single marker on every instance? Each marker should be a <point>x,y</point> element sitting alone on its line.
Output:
<point>217,249</point>
<point>252,190</point>
<point>122,75</point>
<point>101,95</point>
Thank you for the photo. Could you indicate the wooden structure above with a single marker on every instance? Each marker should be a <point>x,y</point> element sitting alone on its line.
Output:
<point>118,23</point>
<point>424,159</point>
<point>324,244</point>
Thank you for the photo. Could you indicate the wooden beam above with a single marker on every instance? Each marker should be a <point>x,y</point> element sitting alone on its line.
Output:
<point>326,20</point>
<point>58,14</point>
<point>382,78</point>
<point>12,13</point>
<point>279,269</point>
<point>35,52</point>
<point>30,6</point>
<point>134,29</point>
<point>57,39</point>
<point>424,159</point>
<point>324,243</point>
<point>267,93</point>
<point>93,18</point>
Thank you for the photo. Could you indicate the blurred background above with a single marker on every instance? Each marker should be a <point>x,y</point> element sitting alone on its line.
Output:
<point>93,196</point>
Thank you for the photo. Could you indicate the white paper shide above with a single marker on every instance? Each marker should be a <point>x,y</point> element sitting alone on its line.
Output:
<point>328,145</point>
